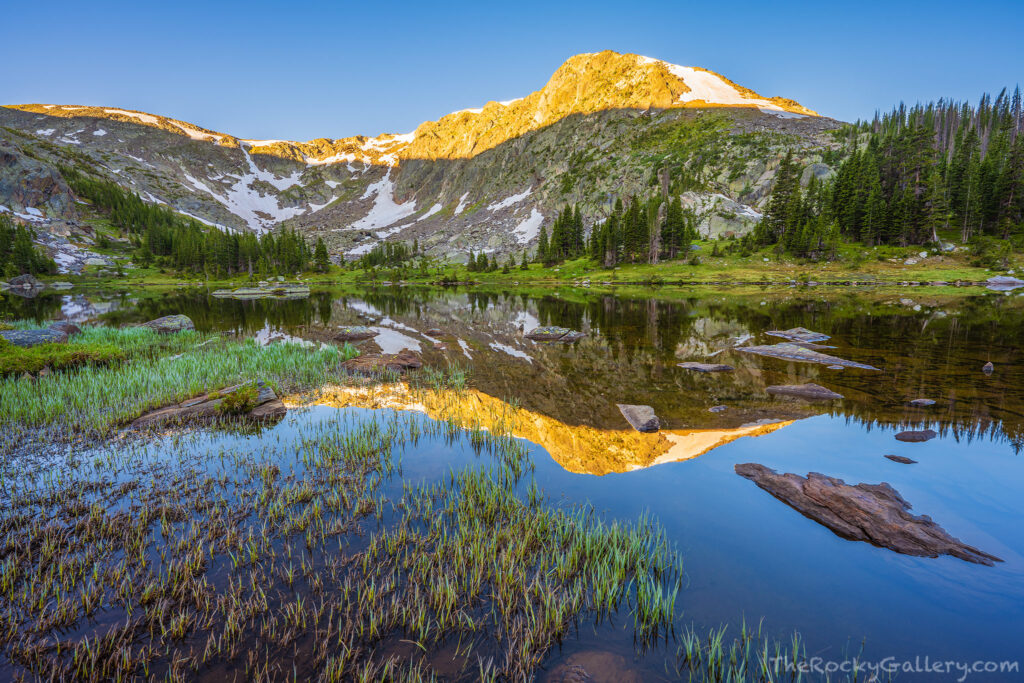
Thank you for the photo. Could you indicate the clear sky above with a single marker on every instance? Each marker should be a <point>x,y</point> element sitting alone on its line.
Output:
<point>300,70</point>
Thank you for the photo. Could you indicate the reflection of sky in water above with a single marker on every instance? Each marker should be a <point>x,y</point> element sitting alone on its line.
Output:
<point>747,553</point>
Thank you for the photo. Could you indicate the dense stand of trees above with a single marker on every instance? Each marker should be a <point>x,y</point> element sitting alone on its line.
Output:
<point>18,254</point>
<point>643,231</point>
<point>912,176</point>
<point>167,239</point>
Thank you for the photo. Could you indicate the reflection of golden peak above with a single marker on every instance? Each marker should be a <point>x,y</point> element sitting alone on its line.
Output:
<point>580,449</point>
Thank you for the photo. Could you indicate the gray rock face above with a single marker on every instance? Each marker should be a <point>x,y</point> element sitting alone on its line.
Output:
<point>809,391</point>
<point>705,367</point>
<point>799,334</point>
<point>795,352</point>
<point>874,513</point>
<point>170,324</point>
<point>912,436</point>
<point>27,338</point>
<point>554,334</point>
<point>641,418</point>
<point>27,183</point>
<point>205,409</point>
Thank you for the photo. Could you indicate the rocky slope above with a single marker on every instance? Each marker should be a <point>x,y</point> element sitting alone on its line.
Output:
<point>482,179</point>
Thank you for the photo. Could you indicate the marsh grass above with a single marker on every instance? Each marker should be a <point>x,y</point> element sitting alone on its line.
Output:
<point>155,370</point>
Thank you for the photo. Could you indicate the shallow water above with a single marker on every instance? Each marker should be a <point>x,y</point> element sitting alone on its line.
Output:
<point>747,555</point>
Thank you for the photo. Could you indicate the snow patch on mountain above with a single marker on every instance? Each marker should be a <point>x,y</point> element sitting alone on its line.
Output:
<point>509,201</point>
<point>145,118</point>
<point>385,210</point>
<point>529,228</point>
<point>462,204</point>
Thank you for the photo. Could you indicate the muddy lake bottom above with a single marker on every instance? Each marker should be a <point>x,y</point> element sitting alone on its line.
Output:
<point>266,547</point>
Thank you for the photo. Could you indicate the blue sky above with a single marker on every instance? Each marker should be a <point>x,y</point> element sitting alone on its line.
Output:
<point>301,70</point>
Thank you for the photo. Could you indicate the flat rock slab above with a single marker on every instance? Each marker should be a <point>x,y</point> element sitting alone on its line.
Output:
<point>809,391</point>
<point>798,353</point>
<point>378,364</point>
<point>913,436</point>
<point>276,291</point>
<point>706,367</point>
<point>921,402</point>
<point>205,409</point>
<point>874,513</point>
<point>903,460</point>
<point>27,338</point>
<point>718,409</point>
<point>354,333</point>
<point>170,324</point>
<point>554,334</point>
<point>642,418</point>
<point>799,334</point>
<point>1003,283</point>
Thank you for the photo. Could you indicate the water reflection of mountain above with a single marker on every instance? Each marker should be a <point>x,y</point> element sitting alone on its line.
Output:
<point>926,345</point>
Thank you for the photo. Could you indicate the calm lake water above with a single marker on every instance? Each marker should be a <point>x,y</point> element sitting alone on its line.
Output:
<point>747,555</point>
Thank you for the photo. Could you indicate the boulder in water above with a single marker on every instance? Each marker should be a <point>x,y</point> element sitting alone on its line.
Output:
<point>809,391</point>
<point>26,281</point>
<point>874,513</point>
<point>988,368</point>
<point>795,352</point>
<point>921,402</point>
<point>912,436</point>
<point>378,364</point>
<point>799,334</point>
<point>207,409</point>
<point>170,324</point>
<point>705,367</point>
<point>641,418</point>
<point>349,333</point>
<point>903,460</point>
<point>554,334</point>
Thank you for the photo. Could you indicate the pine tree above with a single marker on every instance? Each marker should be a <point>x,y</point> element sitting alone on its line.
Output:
<point>320,257</point>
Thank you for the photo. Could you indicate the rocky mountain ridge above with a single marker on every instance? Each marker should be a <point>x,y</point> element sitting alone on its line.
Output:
<point>483,179</point>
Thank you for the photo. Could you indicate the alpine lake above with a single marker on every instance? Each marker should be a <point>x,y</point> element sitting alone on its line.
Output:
<point>492,515</point>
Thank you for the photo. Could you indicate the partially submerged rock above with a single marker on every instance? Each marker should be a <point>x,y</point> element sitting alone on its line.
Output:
<point>903,460</point>
<point>25,282</point>
<point>27,338</point>
<point>554,334</point>
<point>921,402</point>
<point>354,333</point>
<point>808,391</point>
<point>795,352</point>
<point>988,368</point>
<point>1003,283</point>
<point>718,409</point>
<point>705,367</point>
<point>874,513</point>
<point>378,364</point>
<point>265,290</point>
<point>912,436</point>
<point>799,334</point>
<point>207,409</point>
<point>641,418</point>
<point>170,324</point>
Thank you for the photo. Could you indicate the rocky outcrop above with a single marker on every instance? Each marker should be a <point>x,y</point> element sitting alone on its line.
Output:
<point>874,513</point>
<point>209,408</point>
<point>809,392</point>
<point>554,334</point>
<point>350,333</point>
<point>801,354</point>
<point>170,324</point>
<point>379,364</point>
<point>32,188</point>
<point>66,326</point>
<point>641,418</point>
